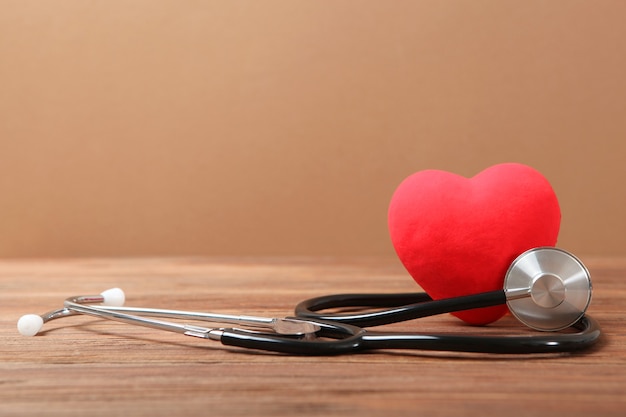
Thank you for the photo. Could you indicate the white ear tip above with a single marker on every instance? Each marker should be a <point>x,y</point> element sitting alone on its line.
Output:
<point>29,325</point>
<point>114,297</point>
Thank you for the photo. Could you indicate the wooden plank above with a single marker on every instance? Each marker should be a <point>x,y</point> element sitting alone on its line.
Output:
<point>83,365</point>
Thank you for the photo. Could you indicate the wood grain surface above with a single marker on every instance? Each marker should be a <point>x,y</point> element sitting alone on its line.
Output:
<point>83,365</point>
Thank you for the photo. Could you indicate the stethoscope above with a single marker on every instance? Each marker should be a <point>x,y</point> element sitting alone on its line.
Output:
<point>547,289</point>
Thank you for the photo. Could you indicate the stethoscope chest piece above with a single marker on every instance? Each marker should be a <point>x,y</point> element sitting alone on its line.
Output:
<point>547,289</point>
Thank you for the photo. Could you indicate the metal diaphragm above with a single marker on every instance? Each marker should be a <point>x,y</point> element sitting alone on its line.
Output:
<point>547,288</point>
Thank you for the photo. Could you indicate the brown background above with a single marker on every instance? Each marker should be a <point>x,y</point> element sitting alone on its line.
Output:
<point>282,127</point>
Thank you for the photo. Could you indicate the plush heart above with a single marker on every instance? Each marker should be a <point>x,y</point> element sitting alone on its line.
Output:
<point>457,236</point>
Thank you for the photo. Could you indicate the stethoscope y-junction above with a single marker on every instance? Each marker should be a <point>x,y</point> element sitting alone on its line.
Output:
<point>546,288</point>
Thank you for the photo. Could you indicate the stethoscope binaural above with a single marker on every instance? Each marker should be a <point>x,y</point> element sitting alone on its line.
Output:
<point>547,289</point>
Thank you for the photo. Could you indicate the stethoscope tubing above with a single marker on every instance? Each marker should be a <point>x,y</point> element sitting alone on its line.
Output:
<point>397,307</point>
<point>354,339</point>
<point>588,334</point>
<point>407,306</point>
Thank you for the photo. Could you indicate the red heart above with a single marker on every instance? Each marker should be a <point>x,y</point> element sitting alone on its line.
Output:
<point>457,236</point>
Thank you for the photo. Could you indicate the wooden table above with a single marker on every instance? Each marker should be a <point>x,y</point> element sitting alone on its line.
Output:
<point>82,365</point>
